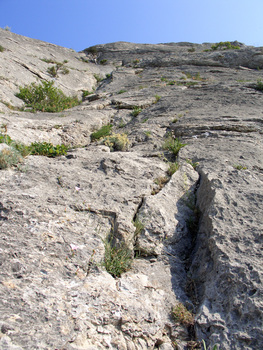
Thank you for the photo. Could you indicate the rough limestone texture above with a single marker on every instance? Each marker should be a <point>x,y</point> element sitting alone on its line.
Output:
<point>200,236</point>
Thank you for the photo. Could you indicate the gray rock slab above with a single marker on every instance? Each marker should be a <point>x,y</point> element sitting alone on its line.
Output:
<point>200,243</point>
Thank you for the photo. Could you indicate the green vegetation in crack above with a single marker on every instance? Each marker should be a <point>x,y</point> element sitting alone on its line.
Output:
<point>14,153</point>
<point>104,131</point>
<point>259,86</point>
<point>59,67</point>
<point>136,111</point>
<point>116,142</point>
<point>224,45</point>
<point>45,97</point>
<point>2,49</point>
<point>117,260</point>
<point>182,315</point>
<point>173,144</point>
<point>139,227</point>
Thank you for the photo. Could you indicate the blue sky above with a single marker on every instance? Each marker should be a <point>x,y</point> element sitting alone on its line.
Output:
<point>78,24</point>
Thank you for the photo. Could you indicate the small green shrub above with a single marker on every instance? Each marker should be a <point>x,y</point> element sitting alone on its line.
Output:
<point>117,142</point>
<point>116,260</point>
<point>53,71</point>
<point>259,85</point>
<point>2,49</point>
<point>103,62</point>
<point>93,50</point>
<point>182,315</point>
<point>173,144</point>
<point>191,50</point>
<point>224,45</point>
<point>135,111</point>
<point>47,149</point>
<point>45,97</point>
<point>105,130</point>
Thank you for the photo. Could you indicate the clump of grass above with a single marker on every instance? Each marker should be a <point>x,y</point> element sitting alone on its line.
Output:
<point>173,167</point>
<point>45,97</point>
<point>102,132</point>
<point>136,111</point>
<point>116,142</point>
<point>193,164</point>
<point>103,62</point>
<point>173,144</point>
<point>139,226</point>
<point>86,93</point>
<point>2,49</point>
<point>116,259</point>
<point>121,91</point>
<point>205,348</point>
<point>157,98</point>
<point>259,85</point>
<point>182,315</point>
<point>98,77</point>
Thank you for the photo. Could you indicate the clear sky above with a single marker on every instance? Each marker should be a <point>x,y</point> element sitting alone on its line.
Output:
<point>78,24</point>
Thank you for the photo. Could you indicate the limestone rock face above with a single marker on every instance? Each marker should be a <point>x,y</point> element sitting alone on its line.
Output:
<point>178,183</point>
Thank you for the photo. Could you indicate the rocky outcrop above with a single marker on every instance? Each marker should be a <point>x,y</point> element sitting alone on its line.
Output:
<point>190,221</point>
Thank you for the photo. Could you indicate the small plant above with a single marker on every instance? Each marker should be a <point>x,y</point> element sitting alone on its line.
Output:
<point>2,49</point>
<point>98,77</point>
<point>171,82</point>
<point>116,259</point>
<point>103,62</point>
<point>226,45</point>
<point>92,50</point>
<point>259,85</point>
<point>148,133</point>
<point>182,315</point>
<point>53,71</point>
<point>109,76</point>
<point>121,124</point>
<point>47,149</point>
<point>173,167</point>
<point>135,111</point>
<point>8,29</point>
<point>205,348</point>
<point>102,132</point>
<point>240,167</point>
<point>45,97</point>
<point>121,91</point>
<point>86,93</point>
<point>191,50</point>
<point>157,98</point>
<point>139,226</point>
<point>173,144</point>
<point>193,164</point>
<point>117,142</point>
<point>9,157</point>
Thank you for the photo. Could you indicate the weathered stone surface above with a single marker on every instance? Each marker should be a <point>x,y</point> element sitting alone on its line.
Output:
<point>201,228</point>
